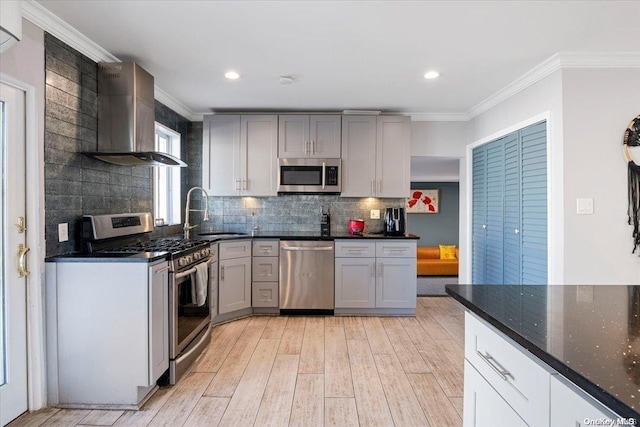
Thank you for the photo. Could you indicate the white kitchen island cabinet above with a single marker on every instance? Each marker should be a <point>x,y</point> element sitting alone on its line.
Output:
<point>107,338</point>
<point>483,406</point>
<point>376,277</point>
<point>506,386</point>
<point>376,156</point>
<point>570,406</point>
<point>239,155</point>
<point>309,136</point>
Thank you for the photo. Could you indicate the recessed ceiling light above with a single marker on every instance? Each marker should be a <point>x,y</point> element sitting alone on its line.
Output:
<point>431,75</point>
<point>232,75</point>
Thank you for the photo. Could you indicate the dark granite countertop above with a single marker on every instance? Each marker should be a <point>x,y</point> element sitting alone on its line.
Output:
<point>589,334</point>
<point>108,257</point>
<point>155,256</point>
<point>313,235</point>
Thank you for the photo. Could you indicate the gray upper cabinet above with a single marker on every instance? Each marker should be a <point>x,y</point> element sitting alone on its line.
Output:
<point>239,155</point>
<point>376,156</point>
<point>309,136</point>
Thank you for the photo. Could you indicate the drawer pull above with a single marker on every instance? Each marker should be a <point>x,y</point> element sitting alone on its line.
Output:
<point>504,374</point>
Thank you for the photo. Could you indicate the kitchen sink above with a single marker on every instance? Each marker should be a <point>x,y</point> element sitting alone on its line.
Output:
<point>222,234</point>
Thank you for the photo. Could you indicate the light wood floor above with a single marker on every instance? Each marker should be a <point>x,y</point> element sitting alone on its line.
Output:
<point>310,371</point>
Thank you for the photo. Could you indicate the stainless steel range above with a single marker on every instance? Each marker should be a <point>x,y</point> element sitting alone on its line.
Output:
<point>190,276</point>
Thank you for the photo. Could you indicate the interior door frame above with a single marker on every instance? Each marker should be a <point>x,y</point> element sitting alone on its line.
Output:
<point>36,358</point>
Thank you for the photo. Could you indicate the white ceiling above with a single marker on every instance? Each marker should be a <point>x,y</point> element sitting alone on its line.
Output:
<point>346,54</point>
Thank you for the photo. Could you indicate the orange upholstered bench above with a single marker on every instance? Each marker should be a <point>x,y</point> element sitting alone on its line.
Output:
<point>430,264</point>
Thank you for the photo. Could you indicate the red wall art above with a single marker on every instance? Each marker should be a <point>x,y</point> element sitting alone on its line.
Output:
<point>423,201</point>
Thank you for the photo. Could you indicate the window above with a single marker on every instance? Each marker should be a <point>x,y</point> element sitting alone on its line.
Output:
<point>166,180</point>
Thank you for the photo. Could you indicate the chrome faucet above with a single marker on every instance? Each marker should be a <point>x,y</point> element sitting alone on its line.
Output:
<point>188,227</point>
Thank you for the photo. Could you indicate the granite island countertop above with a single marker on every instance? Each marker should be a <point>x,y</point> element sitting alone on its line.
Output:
<point>589,334</point>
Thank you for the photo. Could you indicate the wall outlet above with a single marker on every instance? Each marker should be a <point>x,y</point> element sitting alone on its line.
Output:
<point>63,232</point>
<point>375,214</point>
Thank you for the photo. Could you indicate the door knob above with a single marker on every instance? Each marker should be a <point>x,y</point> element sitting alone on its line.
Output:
<point>22,260</point>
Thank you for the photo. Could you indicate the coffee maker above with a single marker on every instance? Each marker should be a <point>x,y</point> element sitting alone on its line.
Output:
<point>394,222</point>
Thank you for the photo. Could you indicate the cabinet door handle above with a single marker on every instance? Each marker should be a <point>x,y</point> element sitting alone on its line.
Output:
<point>381,269</point>
<point>237,185</point>
<point>313,147</point>
<point>484,226</point>
<point>244,184</point>
<point>373,190</point>
<point>373,270</point>
<point>306,147</point>
<point>493,363</point>
<point>379,187</point>
<point>222,273</point>
<point>516,231</point>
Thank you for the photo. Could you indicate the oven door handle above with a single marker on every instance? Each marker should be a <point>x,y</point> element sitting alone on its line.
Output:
<point>191,270</point>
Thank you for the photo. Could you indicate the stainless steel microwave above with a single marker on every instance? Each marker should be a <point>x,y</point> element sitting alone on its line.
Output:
<point>308,176</point>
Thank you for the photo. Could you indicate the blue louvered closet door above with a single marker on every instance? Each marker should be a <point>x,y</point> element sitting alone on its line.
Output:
<point>509,205</point>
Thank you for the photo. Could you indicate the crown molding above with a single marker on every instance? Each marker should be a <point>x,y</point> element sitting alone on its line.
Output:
<point>438,117</point>
<point>177,106</point>
<point>55,26</point>
<point>556,62</point>
<point>537,73</point>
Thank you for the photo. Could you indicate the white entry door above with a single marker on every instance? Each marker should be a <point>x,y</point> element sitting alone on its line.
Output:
<point>13,252</point>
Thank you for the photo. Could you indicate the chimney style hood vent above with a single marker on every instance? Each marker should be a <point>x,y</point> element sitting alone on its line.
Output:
<point>126,117</point>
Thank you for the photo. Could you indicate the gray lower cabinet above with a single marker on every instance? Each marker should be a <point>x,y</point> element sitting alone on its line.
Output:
<point>355,282</point>
<point>234,277</point>
<point>265,268</point>
<point>378,276</point>
<point>107,332</point>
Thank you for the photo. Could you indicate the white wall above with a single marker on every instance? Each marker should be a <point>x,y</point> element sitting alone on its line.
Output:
<point>438,139</point>
<point>543,98</point>
<point>597,106</point>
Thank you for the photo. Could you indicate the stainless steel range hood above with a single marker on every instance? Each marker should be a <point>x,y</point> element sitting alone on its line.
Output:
<point>126,117</point>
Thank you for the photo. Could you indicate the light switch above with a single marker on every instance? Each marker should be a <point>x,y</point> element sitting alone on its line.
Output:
<point>375,214</point>
<point>585,206</point>
<point>63,232</point>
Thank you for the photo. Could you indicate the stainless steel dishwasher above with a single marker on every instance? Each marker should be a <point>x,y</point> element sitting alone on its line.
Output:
<point>306,275</point>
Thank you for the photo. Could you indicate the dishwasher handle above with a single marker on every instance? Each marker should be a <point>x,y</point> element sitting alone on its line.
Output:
<point>307,248</point>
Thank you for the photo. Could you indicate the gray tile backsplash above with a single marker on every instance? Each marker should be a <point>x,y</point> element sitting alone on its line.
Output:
<point>291,213</point>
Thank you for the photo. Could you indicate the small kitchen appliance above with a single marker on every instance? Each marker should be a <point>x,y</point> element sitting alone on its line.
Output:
<point>325,224</point>
<point>394,222</point>
<point>356,227</point>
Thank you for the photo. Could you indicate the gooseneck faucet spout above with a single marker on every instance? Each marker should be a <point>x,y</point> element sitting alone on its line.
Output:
<point>188,227</point>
